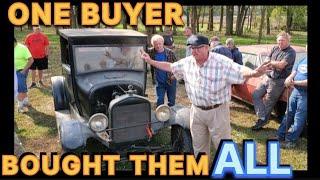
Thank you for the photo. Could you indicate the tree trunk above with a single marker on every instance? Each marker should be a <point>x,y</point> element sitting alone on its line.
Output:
<point>243,20</point>
<point>251,17</point>
<point>210,21</point>
<point>269,11</point>
<point>74,19</point>
<point>263,12</point>
<point>221,18</point>
<point>160,28</point>
<point>194,19</point>
<point>229,20</point>
<point>240,17</point>
<point>174,30</point>
<point>124,20</point>
<point>289,19</point>
<point>150,31</point>
<point>203,13</point>
<point>124,23</point>
<point>188,16</point>
<point>198,18</point>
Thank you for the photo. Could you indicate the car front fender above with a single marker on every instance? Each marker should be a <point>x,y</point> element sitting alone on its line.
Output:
<point>73,134</point>
<point>180,115</point>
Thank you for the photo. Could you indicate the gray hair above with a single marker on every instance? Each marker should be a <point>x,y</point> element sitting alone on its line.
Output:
<point>285,35</point>
<point>230,41</point>
<point>156,38</point>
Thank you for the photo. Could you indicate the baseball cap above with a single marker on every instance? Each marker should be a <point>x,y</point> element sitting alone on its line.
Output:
<point>197,40</point>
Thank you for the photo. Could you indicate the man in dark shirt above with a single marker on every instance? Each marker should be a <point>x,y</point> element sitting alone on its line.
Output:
<point>236,54</point>
<point>168,38</point>
<point>282,59</point>
<point>219,48</point>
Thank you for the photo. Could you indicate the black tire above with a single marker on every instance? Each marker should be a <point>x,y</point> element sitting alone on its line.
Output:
<point>59,94</point>
<point>181,140</point>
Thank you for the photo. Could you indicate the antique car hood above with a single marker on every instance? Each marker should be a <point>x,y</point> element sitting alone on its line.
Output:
<point>89,82</point>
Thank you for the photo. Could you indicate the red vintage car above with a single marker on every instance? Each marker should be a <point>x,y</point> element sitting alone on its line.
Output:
<point>252,57</point>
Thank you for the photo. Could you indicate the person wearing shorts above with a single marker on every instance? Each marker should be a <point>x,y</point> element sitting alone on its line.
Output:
<point>22,61</point>
<point>38,44</point>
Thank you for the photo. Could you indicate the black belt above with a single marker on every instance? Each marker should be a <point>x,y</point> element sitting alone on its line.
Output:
<point>205,108</point>
<point>19,70</point>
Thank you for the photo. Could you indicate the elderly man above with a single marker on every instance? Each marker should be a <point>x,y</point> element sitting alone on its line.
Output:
<point>165,82</point>
<point>236,54</point>
<point>38,44</point>
<point>219,48</point>
<point>282,60</point>
<point>22,61</point>
<point>208,78</point>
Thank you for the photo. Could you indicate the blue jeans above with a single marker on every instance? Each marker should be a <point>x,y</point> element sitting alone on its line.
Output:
<point>295,117</point>
<point>162,88</point>
<point>22,82</point>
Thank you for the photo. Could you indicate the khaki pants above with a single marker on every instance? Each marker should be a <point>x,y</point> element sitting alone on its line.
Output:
<point>209,126</point>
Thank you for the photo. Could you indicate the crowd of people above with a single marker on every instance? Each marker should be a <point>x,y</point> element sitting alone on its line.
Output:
<point>208,71</point>
<point>30,56</point>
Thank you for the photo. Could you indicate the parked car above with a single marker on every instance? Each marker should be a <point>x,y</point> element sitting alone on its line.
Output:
<point>253,56</point>
<point>100,96</point>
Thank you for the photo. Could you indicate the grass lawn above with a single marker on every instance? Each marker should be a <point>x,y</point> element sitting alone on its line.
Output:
<point>38,132</point>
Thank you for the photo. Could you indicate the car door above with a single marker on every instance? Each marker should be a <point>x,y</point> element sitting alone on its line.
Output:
<point>244,91</point>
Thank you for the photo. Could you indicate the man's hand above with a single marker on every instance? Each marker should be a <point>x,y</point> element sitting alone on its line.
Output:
<point>24,72</point>
<point>288,82</point>
<point>145,56</point>
<point>264,67</point>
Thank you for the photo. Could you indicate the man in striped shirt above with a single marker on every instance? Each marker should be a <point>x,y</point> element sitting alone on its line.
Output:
<point>208,78</point>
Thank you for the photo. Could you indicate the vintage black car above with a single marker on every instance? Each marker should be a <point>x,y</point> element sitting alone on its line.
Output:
<point>100,96</point>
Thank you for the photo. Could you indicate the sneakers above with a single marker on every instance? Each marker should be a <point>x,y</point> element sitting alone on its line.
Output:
<point>41,83</point>
<point>288,145</point>
<point>23,109</point>
<point>33,85</point>
<point>258,126</point>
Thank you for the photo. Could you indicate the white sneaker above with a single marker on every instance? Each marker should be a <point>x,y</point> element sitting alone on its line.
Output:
<point>26,103</point>
<point>23,109</point>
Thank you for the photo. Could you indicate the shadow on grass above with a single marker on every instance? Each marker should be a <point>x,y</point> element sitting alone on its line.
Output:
<point>42,119</point>
<point>242,109</point>
<point>45,90</point>
<point>265,134</point>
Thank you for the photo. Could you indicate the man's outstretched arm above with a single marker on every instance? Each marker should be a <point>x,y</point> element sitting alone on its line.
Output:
<point>165,66</point>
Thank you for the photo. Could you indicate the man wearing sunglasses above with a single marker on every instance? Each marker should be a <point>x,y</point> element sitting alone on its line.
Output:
<point>208,78</point>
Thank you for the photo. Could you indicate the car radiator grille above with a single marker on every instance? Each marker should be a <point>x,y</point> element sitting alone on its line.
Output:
<point>134,118</point>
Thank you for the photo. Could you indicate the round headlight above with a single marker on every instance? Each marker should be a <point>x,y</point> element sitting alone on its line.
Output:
<point>163,113</point>
<point>98,122</point>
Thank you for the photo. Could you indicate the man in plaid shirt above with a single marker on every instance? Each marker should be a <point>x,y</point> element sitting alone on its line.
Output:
<point>208,78</point>
<point>165,81</point>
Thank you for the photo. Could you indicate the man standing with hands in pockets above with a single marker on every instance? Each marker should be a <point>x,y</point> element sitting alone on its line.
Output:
<point>208,78</point>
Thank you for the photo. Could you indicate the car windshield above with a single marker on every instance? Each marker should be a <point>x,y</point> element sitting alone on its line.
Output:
<point>249,60</point>
<point>91,59</point>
